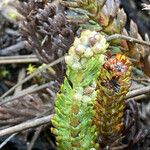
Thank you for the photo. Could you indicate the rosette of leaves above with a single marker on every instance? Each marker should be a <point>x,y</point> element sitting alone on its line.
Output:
<point>110,19</point>
<point>112,86</point>
<point>73,121</point>
<point>46,29</point>
<point>106,13</point>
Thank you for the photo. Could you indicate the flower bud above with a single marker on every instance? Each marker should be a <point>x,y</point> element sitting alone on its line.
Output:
<point>76,66</point>
<point>71,50</point>
<point>102,58</point>
<point>83,61</point>
<point>88,53</point>
<point>76,42</point>
<point>79,50</point>
<point>69,60</point>
<point>86,99</point>
<point>77,96</point>
<point>89,90</point>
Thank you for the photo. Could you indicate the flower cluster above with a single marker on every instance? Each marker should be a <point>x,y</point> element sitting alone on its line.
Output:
<point>112,86</point>
<point>90,44</point>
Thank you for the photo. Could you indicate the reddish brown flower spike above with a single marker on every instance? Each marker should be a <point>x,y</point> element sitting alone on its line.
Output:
<point>112,86</point>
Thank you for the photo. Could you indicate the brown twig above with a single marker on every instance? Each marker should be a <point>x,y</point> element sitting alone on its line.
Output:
<point>128,38</point>
<point>138,98</point>
<point>13,48</point>
<point>39,70</point>
<point>18,59</point>
<point>137,92</point>
<point>119,147</point>
<point>24,92</point>
<point>21,76</point>
<point>26,125</point>
<point>13,121</point>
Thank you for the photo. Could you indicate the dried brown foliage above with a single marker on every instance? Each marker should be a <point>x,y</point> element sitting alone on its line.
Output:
<point>46,29</point>
<point>49,29</point>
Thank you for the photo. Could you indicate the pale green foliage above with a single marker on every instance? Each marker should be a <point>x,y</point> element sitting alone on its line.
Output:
<point>73,120</point>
